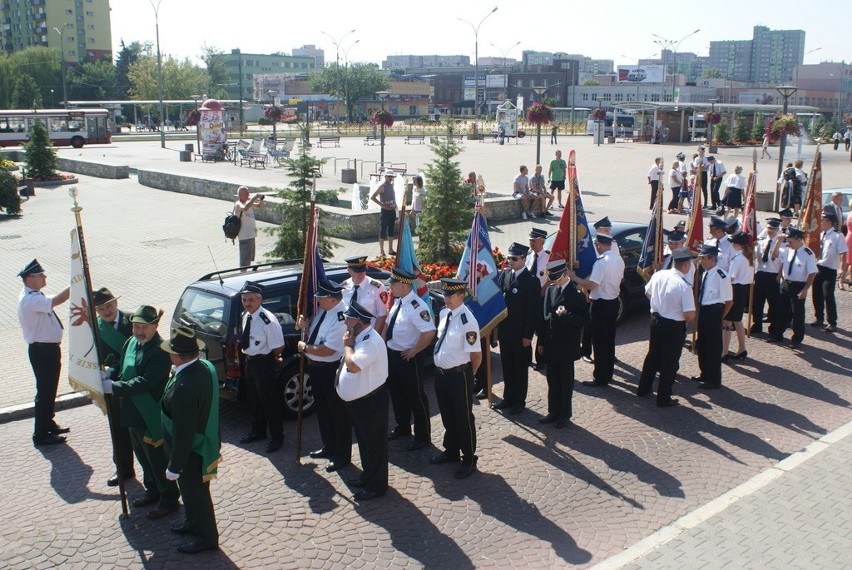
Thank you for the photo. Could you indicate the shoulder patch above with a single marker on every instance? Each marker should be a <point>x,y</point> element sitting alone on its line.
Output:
<point>264,318</point>
<point>415,303</point>
<point>808,250</point>
<point>721,273</point>
<point>340,316</point>
<point>470,337</point>
<point>464,318</point>
<point>425,315</point>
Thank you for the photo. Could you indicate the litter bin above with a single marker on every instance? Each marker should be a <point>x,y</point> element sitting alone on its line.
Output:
<point>189,147</point>
<point>347,176</point>
<point>185,155</point>
<point>764,201</point>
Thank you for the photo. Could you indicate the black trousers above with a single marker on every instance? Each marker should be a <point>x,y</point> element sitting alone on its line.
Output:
<point>709,343</point>
<point>673,202</point>
<point>655,185</point>
<point>704,187</point>
<point>604,315</point>
<point>714,193</point>
<point>480,379</point>
<point>515,361</point>
<point>665,344</point>
<point>454,401</point>
<point>122,452</point>
<point>265,395</point>
<point>586,341</point>
<point>197,503</point>
<point>154,464</point>
<point>560,384</point>
<point>408,396</point>
<point>46,361</point>
<point>765,292</point>
<point>825,304</point>
<point>789,307</point>
<point>335,425</point>
<point>370,420</point>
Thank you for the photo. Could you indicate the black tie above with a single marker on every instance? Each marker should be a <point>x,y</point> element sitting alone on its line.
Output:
<point>354,295</point>
<point>392,322</point>
<point>245,338</point>
<point>793,260</point>
<point>701,292</point>
<point>766,251</point>
<point>317,328</point>
<point>444,333</point>
<point>55,316</point>
<point>535,264</point>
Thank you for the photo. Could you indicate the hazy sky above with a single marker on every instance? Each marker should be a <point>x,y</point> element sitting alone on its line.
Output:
<point>616,29</point>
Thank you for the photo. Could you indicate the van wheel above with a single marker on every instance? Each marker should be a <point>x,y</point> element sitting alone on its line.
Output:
<point>77,142</point>
<point>289,378</point>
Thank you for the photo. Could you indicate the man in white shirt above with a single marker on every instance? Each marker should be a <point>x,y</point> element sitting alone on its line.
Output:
<point>798,271</point>
<point>244,208</point>
<point>368,292</point>
<point>715,174</point>
<point>521,191</point>
<point>831,247</point>
<point>536,264</point>
<point>654,175</point>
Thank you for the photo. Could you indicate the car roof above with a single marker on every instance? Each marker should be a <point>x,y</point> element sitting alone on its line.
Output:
<point>231,281</point>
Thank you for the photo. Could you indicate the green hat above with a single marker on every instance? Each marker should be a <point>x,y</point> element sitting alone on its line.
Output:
<point>146,314</point>
<point>101,297</point>
<point>182,341</point>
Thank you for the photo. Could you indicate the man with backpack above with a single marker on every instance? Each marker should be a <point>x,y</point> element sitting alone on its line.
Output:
<point>244,209</point>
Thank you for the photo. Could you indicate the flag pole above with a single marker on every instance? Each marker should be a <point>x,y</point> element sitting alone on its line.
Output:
<point>572,213</point>
<point>751,186</point>
<point>697,217</point>
<point>302,304</point>
<point>90,316</point>
<point>658,235</point>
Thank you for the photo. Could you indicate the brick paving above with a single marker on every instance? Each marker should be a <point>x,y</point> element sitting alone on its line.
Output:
<point>543,498</point>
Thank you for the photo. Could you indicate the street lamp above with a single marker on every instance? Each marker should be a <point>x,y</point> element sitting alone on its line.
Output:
<point>52,100</point>
<point>346,77</point>
<point>65,26</point>
<point>539,91</point>
<point>666,44</point>
<point>195,99</point>
<point>786,91</point>
<point>336,43</point>
<point>476,65</point>
<point>159,72</point>
<point>273,93</point>
<point>599,134</point>
<point>505,64</point>
<point>382,95</point>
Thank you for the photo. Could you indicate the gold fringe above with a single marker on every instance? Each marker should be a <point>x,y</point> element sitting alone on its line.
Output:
<point>151,442</point>
<point>97,397</point>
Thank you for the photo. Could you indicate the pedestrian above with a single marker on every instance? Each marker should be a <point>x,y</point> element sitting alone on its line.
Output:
<point>501,133</point>
<point>540,199</point>
<point>361,384</point>
<point>654,175</point>
<point>734,188</point>
<point>672,306</point>
<point>565,314</point>
<point>244,208</point>
<point>43,333</point>
<point>791,194</point>
<point>741,274</point>
<point>262,341</point>
<point>846,277</point>
<point>847,138</point>
<point>368,292</point>
<point>190,416</point>
<point>323,350</point>
<point>143,372</point>
<point>553,132</point>
<point>719,238</point>
<point>114,328</point>
<point>701,164</point>
<point>457,358</point>
<point>385,197</point>
<point>419,197</point>
<point>409,332</point>
<point>522,293</point>
<point>765,149</point>
<point>556,173</point>
<point>536,263</point>
<point>766,274</point>
<point>715,174</point>
<point>676,182</point>
<point>798,271</point>
<point>832,248</point>
<point>521,191</point>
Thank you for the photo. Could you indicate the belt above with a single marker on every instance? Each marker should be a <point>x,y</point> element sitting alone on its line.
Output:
<point>604,300</point>
<point>323,364</point>
<point>661,317</point>
<point>452,370</point>
<point>44,343</point>
<point>714,305</point>
<point>790,281</point>
<point>258,356</point>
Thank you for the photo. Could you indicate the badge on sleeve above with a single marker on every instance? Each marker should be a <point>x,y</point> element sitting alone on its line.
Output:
<point>340,316</point>
<point>470,337</point>
<point>384,297</point>
<point>424,315</point>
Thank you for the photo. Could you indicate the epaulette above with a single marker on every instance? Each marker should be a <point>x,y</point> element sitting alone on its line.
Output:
<point>375,283</point>
<point>547,251</point>
<point>414,303</point>
<point>264,318</point>
<point>341,316</point>
<point>808,250</point>
<point>464,319</point>
<point>721,273</point>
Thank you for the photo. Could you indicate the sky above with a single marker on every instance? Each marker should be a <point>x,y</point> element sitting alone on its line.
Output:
<point>620,30</point>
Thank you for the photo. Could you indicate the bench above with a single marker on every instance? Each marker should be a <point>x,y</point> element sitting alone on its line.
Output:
<point>419,139</point>
<point>372,139</point>
<point>328,140</point>
<point>252,154</point>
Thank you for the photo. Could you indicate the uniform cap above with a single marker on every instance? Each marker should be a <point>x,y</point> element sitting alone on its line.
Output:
<point>251,287</point>
<point>518,249</point>
<point>719,223</point>
<point>101,297</point>
<point>450,285</point>
<point>399,275</point>
<point>326,288</point>
<point>603,238</point>
<point>146,314</point>
<point>786,213</point>
<point>556,269</point>
<point>603,223</point>
<point>794,233</point>
<point>538,233</point>
<point>708,250</point>
<point>182,341</point>
<point>740,239</point>
<point>31,268</point>
<point>675,235</point>
<point>829,216</point>
<point>681,254</point>
<point>357,311</point>
<point>773,222</point>
<point>357,263</point>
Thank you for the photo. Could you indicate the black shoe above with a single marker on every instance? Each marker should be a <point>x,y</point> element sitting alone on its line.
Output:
<point>59,430</point>
<point>740,355</point>
<point>539,367</point>
<point>161,512</point>
<point>642,394</point>
<point>146,499</point>
<point>113,481</point>
<point>668,403</point>
<point>481,395</point>
<point>504,405</point>
<point>356,482</point>
<point>775,339</point>
<point>397,433</point>
<point>562,423</point>
<point>337,466</point>
<point>442,458</point>
<point>195,547</point>
<point>687,344</point>
<point>548,419</point>
<point>275,444</point>
<point>727,356</point>
<point>696,378</point>
<point>756,331</point>
<point>181,529</point>
<point>49,439</point>
<point>795,344</point>
<point>415,445</point>
<point>466,469</point>
<point>365,495</point>
<point>588,359</point>
<point>392,252</point>
<point>817,323</point>
<point>252,437</point>
<point>708,386</point>
<point>830,328</point>
<point>593,383</point>
<point>320,454</point>
<point>515,410</point>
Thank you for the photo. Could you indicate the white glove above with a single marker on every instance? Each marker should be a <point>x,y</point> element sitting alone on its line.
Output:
<point>172,476</point>
<point>107,386</point>
<point>106,373</point>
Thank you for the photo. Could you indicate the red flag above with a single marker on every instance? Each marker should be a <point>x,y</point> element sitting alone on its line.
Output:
<point>812,209</point>
<point>749,221</point>
<point>695,227</point>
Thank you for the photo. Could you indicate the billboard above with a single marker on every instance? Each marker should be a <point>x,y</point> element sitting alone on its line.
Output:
<point>641,73</point>
<point>759,97</point>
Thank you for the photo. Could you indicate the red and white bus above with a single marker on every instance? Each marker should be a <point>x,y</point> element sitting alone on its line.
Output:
<point>66,127</point>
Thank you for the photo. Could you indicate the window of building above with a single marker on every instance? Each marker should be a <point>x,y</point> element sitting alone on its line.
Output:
<point>594,96</point>
<point>607,96</point>
<point>655,97</point>
<point>412,109</point>
<point>585,96</point>
<point>619,97</point>
<point>90,13</point>
<point>69,11</point>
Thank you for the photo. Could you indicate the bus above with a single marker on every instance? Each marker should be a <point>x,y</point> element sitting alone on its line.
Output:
<point>624,125</point>
<point>66,127</point>
<point>697,127</point>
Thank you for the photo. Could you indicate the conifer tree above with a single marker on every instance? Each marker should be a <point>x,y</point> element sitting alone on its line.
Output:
<point>447,211</point>
<point>40,155</point>
<point>10,200</point>
<point>740,131</point>
<point>758,128</point>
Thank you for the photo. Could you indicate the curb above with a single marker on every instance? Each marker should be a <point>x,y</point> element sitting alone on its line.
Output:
<point>24,411</point>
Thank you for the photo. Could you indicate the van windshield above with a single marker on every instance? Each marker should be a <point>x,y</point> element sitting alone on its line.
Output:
<point>204,311</point>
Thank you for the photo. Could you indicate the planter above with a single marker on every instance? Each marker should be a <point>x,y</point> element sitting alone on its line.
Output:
<point>713,149</point>
<point>49,183</point>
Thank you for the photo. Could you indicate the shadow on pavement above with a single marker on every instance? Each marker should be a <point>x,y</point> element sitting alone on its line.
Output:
<point>70,476</point>
<point>155,551</point>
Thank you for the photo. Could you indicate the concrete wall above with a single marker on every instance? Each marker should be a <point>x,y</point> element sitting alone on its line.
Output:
<point>96,169</point>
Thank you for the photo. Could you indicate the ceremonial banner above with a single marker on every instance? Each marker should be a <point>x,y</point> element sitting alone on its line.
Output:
<point>651,252</point>
<point>695,226</point>
<point>313,270</point>
<point>83,367</point>
<point>406,258</point>
<point>477,266</point>
<point>812,208</point>
<point>580,239</point>
<point>749,220</point>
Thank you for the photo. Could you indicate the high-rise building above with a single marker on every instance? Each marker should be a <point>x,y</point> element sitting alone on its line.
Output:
<point>310,50</point>
<point>242,67</point>
<point>79,29</point>
<point>769,57</point>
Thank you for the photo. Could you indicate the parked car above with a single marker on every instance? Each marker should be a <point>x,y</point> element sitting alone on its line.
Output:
<point>847,196</point>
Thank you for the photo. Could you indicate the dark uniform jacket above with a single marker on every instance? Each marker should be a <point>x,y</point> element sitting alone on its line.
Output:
<point>523,301</point>
<point>153,366</point>
<point>565,332</point>
<point>187,403</point>
<point>110,357</point>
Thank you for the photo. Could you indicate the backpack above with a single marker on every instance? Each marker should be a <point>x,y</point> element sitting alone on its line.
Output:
<point>232,225</point>
<point>790,174</point>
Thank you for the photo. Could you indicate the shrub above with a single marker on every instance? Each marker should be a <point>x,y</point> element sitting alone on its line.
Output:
<point>10,200</point>
<point>40,155</point>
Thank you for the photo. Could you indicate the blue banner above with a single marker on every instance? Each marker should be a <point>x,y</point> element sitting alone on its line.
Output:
<point>477,266</point>
<point>406,258</point>
<point>648,255</point>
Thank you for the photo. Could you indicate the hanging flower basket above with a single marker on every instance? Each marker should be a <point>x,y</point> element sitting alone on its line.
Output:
<point>780,125</point>
<point>193,117</point>
<point>274,113</point>
<point>847,118</point>
<point>382,117</point>
<point>539,114</point>
<point>713,118</point>
<point>599,114</point>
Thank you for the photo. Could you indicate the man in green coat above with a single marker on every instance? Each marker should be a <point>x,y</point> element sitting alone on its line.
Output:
<point>190,415</point>
<point>114,329</point>
<point>143,374</point>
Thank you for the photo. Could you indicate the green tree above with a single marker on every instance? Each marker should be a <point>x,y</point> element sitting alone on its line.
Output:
<point>39,155</point>
<point>91,80</point>
<point>10,200</point>
<point>446,218</point>
<point>40,63</point>
<point>180,78</point>
<point>27,94</point>
<point>711,72</point>
<point>295,208</point>
<point>217,72</point>
<point>127,56</point>
<point>741,130</point>
<point>721,132</point>
<point>590,82</point>
<point>757,128</point>
<point>349,83</point>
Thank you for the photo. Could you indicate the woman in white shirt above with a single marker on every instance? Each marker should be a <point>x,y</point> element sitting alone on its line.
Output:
<point>733,198</point>
<point>675,183</point>
<point>741,272</point>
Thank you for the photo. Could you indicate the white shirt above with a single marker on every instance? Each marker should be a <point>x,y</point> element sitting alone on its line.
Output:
<point>39,322</point>
<point>736,181</point>
<point>803,263</point>
<point>372,295</point>
<point>265,334</point>
<point>675,178</point>
<point>671,296</point>
<point>832,244</point>
<point>330,332</point>
<point>715,287</point>
<point>607,272</point>
<point>372,358</point>
<point>461,339</point>
<point>654,173</point>
<point>248,224</point>
<point>771,265</point>
<point>739,270</point>
<point>412,319</point>
<point>716,169</point>
<point>521,185</point>
<point>539,271</point>
<point>724,258</point>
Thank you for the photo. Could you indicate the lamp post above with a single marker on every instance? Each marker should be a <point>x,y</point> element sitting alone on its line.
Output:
<point>346,77</point>
<point>600,133</point>
<point>52,100</point>
<point>159,72</point>
<point>382,95</point>
<point>336,43</point>
<point>65,26</point>
<point>786,91</point>
<point>666,44</point>
<point>539,91</point>
<point>505,64</point>
<point>195,99</point>
<point>476,66</point>
<point>273,93</point>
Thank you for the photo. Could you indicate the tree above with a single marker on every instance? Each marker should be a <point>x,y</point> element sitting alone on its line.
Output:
<point>295,209</point>
<point>711,72</point>
<point>10,200</point>
<point>217,71</point>
<point>127,56</point>
<point>590,82</point>
<point>741,130</point>
<point>721,133</point>
<point>27,94</point>
<point>40,156</point>
<point>349,83</point>
<point>446,217</point>
<point>757,127</point>
<point>180,78</point>
<point>91,80</point>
